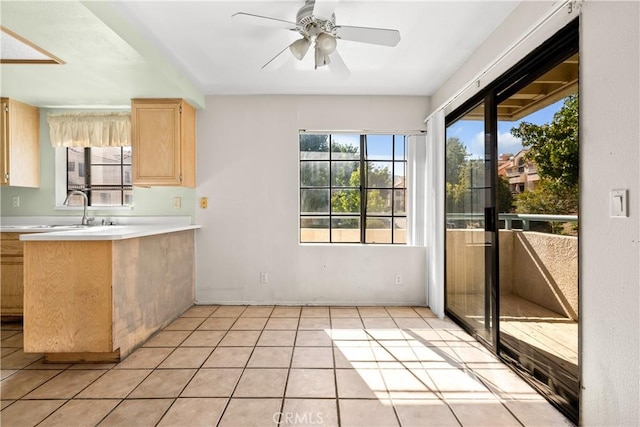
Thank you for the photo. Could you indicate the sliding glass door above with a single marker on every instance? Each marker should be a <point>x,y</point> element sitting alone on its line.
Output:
<point>511,241</point>
<point>539,311</point>
<point>470,235</point>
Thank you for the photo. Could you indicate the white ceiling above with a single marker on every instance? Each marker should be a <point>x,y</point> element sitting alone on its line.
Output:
<point>115,51</point>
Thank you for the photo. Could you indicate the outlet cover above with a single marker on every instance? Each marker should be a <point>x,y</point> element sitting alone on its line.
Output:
<point>177,202</point>
<point>204,202</point>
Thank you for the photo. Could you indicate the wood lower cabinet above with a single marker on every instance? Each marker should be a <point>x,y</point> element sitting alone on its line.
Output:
<point>163,148</point>
<point>20,144</point>
<point>90,301</point>
<point>11,277</point>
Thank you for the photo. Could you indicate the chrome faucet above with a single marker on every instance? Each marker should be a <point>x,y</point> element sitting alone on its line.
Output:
<point>85,203</point>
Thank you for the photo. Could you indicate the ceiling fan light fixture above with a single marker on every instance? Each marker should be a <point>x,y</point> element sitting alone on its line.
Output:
<point>300,47</point>
<point>326,43</point>
<point>322,59</point>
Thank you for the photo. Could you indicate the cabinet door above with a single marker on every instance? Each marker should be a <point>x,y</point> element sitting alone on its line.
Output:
<point>156,143</point>
<point>20,144</point>
<point>12,288</point>
<point>11,279</point>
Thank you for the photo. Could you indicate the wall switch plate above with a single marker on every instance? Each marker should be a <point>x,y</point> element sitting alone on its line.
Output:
<point>204,202</point>
<point>16,201</point>
<point>264,277</point>
<point>618,203</point>
<point>177,202</point>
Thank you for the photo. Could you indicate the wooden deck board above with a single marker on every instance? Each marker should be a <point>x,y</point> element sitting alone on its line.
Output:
<point>528,322</point>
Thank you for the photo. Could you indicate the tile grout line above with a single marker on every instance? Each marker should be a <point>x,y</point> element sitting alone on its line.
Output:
<point>335,373</point>
<point>244,368</point>
<point>174,400</point>
<point>152,370</point>
<point>437,392</point>
<point>286,382</point>
<point>464,365</point>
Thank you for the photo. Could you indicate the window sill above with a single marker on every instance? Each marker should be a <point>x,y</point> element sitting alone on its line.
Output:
<point>363,245</point>
<point>93,208</point>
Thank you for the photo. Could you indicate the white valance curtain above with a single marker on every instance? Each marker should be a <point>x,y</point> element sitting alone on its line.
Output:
<point>90,129</point>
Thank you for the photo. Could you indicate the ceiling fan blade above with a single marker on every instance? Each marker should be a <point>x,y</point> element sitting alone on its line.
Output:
<point>323,9</point>
<point>271,63</point>
<point>380,36</point>
<point>264,21</point>
<point>338,67</point>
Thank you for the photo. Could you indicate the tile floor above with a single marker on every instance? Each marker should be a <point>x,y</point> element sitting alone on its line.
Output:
<point>262,366</point>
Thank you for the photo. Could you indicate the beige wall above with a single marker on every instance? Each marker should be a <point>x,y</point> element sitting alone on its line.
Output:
<point>248,166</point>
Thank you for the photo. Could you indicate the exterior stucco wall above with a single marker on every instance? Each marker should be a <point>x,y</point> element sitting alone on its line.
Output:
<point>546,271</point>
<point>541,268</point>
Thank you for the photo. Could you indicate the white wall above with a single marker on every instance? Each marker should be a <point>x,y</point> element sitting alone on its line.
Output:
<point>609,257</point>
<point>248,167</point>
<point>610,159</point>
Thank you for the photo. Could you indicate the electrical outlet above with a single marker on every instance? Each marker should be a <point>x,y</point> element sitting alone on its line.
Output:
<point>204,202</point>
<point>264,277</point>
<point>177,202</point>
<point>16,201</point>
<point>398,279</point>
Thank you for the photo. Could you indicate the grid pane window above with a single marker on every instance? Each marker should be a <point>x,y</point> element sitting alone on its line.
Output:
<point>352,188</point>
<point>103,173</point>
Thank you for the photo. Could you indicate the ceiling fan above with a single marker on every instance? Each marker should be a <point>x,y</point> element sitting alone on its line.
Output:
<point>316,23</point>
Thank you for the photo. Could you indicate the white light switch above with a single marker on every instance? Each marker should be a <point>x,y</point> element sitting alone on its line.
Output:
<point>618,203</point>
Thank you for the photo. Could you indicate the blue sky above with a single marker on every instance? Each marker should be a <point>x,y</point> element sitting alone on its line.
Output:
<point>471,132</point>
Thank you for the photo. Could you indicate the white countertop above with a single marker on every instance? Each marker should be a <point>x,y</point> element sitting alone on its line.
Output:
<point>66,228</point>
<point>103,232</point>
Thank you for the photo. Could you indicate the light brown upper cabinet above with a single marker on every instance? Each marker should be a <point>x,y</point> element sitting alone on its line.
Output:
<point>163,149</point>
<point>20,153</point>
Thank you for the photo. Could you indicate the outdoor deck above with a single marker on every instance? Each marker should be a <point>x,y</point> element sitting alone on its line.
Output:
<point>539,339</point>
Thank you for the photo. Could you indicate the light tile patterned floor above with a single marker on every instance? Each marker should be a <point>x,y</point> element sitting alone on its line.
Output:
<point>263,366</point>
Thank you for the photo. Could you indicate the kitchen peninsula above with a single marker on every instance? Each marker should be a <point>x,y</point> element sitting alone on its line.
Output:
<point>94,294</point>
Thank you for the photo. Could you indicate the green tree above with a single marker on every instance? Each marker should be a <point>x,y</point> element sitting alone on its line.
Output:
<point>554,149</point>
<point>349,200</point>
<point>455,157</point>
<point>315,173</point>
<point>314,143</point>
<point>467,194</point>
<point>505,198</point>
<point>549,198</point>
<point>554,146</point>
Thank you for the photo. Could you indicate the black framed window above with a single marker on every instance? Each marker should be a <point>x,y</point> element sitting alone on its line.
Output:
<point>103,173</point>
<point>353,188</point>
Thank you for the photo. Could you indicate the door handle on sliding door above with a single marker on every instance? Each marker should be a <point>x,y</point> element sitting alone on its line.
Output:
<point>489,219</point>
